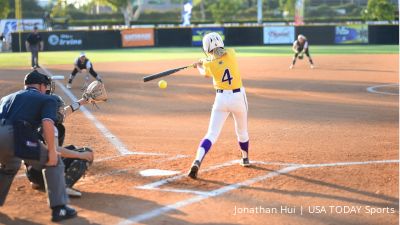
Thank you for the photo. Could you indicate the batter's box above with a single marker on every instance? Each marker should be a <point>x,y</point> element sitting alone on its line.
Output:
<point>213,178</point>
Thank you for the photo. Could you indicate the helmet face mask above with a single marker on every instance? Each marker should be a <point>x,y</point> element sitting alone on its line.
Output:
<point>212,41</point>
<point>60,109</point>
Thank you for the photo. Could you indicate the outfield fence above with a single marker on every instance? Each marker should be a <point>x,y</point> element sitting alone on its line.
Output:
<point>233,36</point>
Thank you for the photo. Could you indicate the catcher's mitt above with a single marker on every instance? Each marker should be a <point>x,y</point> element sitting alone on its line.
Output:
<point>95,92</point>
<point>75,168</point>
<point>301,56</point>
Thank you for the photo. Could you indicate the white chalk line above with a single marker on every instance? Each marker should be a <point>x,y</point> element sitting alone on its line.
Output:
<point>198,198</point>
<point>202,195</point>
<point>372,89</point>
<point>122,149</point>
<point>177,177</point>
<point>114,140</point>
<point>229,163</point>
<point>176,190</point>
<point>120,156</point>
<point>347,163</point>
<point>175,158</point>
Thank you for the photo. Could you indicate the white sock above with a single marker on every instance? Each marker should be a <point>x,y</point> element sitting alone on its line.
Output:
<point>244,154</point>
<point>200,154</point>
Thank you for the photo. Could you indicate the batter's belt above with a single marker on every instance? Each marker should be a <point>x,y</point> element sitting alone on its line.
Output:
<point>234,90</point>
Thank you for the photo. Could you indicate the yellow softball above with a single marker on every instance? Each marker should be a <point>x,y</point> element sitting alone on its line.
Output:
<point>162,84</point>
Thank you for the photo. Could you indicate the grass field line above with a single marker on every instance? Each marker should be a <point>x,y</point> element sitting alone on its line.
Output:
<point>202,195</point>
<point>372,89</point>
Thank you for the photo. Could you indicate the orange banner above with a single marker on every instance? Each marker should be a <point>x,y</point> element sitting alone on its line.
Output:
<point>137,37</point>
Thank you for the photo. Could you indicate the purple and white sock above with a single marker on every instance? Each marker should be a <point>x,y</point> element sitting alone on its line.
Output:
<point>244,146</point>
<point>205,145</point>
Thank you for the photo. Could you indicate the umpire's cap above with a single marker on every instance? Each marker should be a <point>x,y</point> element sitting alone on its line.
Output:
<point>35,77</point>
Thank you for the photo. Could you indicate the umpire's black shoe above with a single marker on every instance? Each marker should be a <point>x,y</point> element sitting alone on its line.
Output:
<point>62,213</point>
<point>194,169</point>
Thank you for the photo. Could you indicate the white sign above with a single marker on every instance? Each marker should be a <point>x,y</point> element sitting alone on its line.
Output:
<point>63,39</point>
<point>11,25</point>
<point>278,35</point>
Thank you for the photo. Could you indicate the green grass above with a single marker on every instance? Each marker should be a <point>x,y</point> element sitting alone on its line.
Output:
<point>8,60</point>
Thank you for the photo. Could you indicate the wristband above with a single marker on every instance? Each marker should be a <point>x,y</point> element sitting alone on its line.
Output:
<point>75,106</point>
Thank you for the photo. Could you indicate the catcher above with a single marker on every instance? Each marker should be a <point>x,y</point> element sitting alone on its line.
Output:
<point>300,46</point>
<point>82,62</point>
<point>76,160</point>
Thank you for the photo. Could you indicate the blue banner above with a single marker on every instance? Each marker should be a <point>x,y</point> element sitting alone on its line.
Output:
<point>198,34</point>
<point>351,34</point>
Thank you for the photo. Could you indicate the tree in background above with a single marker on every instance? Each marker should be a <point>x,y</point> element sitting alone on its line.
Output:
<point>4,9</point>
<point>202,8</point>
<point>131,9</point>
<point>30,9</point>
<point>59,9</point>
<point>224,10</point>
<point>379,10</point>
<point>288,7</point>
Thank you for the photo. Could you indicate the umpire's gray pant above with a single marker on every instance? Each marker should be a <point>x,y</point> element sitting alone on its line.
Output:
<point>9,166</point>
<point>34,55</point>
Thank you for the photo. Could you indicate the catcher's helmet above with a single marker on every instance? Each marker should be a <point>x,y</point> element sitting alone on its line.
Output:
<point>211,41</point>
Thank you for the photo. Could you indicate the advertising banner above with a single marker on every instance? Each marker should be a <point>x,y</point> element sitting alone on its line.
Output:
<point>73,40</point>
<point>279,35</point>
<point>137,37</point>
<point>9,26</point>
<point>198,34</point>
<point>64,40</point>
<point>351,34</point>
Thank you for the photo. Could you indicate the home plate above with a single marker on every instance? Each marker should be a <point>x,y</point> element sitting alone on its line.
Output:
<point>157,172</point>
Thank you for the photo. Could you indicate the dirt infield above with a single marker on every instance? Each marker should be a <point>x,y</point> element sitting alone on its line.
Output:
<point>324,146</point>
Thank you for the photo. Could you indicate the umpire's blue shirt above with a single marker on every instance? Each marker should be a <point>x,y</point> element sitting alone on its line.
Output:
<point>29,105</point>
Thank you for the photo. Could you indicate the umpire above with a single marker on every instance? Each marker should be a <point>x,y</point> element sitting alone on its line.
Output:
<point>34,44</point>
<point>34,107</point>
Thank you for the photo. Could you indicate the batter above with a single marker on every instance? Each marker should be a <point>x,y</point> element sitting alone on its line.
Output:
<point>222,66</point>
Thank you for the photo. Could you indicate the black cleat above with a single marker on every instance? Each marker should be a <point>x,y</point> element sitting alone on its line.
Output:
<point>194,169</point>
<point>63,213</point>
<point>245,162</point>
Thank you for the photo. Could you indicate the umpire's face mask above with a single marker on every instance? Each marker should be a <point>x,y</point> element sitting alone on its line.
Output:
<point>60,115</point>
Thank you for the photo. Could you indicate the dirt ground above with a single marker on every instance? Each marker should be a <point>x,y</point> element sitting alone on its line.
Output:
<point>324,149</point>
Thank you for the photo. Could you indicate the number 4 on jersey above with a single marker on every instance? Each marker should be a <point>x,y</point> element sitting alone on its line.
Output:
<point>227,77</point>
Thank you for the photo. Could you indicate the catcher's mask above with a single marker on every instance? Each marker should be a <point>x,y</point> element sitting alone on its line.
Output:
<point>211,41</point>
<point>60,109</point>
